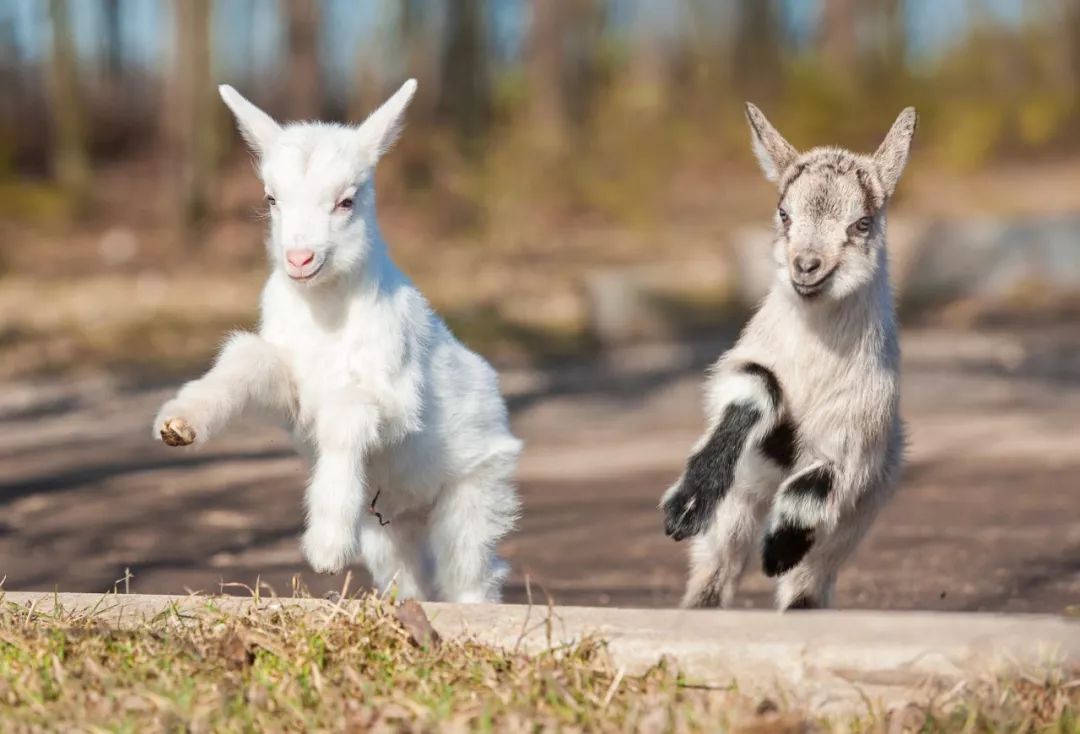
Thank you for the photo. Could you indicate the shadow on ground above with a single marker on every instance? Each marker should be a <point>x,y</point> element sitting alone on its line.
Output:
<point>986,518</point>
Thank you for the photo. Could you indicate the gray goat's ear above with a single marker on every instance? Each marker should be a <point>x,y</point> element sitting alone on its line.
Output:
<point>773,152</point>
<point>892,154</point>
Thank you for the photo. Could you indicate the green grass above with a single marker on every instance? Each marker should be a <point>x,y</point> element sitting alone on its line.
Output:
<point>358,667</point>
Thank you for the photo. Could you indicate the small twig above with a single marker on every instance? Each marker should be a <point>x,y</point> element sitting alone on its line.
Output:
<point>128,576</point>
<point>390,585</point>
<point>614,687</point>
<point>528,614</point>
<point>345,587</point>
<point>237,585</point>
<point>375,512</point>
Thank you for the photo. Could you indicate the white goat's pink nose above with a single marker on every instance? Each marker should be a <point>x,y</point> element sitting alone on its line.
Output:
<point>299,258</point>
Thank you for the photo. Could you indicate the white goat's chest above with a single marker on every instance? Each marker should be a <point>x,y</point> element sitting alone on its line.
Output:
<point>333,368</point>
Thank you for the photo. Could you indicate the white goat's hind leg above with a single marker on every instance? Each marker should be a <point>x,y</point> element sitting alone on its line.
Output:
<point>247,370</point>
<point>395,554</point>
<point>467,522</point>
<point>719,556</point>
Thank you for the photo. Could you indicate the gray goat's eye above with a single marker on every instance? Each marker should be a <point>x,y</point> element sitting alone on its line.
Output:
<point>783,215</point>
<point>864,224</point>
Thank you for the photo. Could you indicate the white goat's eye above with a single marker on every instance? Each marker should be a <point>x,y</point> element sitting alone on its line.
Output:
<point>270,200</point>
<point>783,215</point>
<point>864,224</point>
<point>346,203</point>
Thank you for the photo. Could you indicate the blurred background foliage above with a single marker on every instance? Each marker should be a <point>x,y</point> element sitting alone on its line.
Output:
<point>549,137</point>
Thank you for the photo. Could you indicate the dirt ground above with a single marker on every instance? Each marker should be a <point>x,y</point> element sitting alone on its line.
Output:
<point>987,517</point>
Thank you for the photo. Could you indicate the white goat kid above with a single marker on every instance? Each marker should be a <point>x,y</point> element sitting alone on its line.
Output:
<point>390,407</point>
<point>805,439</point>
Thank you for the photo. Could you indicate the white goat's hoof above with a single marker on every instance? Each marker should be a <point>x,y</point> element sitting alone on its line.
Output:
<point>177,432</point>
<point>327,550</point>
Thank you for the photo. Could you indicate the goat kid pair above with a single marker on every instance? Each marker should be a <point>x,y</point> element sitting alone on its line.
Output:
<point>804,438</point>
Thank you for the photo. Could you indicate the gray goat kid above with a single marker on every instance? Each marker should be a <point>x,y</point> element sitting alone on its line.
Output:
<point>804,442</point>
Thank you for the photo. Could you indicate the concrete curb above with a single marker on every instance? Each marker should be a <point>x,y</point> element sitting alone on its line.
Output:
<point>831,660</point>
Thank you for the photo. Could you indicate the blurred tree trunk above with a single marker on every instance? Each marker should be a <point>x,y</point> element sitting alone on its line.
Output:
<point>582,61</point>
<point>562,66</point>
<point>1072,40</point>
<point>191,117</point>
<point>304,85</point>
<point>245,42</point>
<point>372,69</point>
<point>113,40</point>
<point>837,37</point>
<point>421,59</point>
<point>11,81</point>
<point>545,71</point>
<point>71,164</point>
<point>464,91</point>
<point>883,63</point>
<point>757,49</point>
<point>894,46</point>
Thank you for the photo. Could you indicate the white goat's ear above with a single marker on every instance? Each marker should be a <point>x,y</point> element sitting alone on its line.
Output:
<point>892,154</point>
<point>773,152</point>
<point>257,127</point>
<point>383,126</point>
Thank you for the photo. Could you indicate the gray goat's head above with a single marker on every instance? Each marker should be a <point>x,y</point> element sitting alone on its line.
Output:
<point>829,221</point>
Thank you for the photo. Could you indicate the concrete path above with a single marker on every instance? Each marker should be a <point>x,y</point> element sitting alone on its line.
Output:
<point>829,660</point>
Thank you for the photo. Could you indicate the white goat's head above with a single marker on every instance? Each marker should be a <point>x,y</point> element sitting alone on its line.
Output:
<point>319,187</point>
<point>829,221</point>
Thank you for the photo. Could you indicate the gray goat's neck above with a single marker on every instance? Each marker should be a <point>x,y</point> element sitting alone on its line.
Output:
<point>863,322</point>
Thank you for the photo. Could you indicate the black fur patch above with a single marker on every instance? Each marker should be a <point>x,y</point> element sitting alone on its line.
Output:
<point>781,444</point>
<point>709,473</point>
<point>802,601</point>
<point>784,548</point>
<point>799,170</point>
<point>869,200</point>
<point>816,483</point>
<point>776,393</point>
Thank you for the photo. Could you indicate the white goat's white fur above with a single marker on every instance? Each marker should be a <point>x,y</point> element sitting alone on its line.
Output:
<point>820,358</point>
<point>382,398</point>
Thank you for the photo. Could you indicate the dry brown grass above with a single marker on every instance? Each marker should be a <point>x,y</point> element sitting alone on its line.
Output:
<point>359,667</point>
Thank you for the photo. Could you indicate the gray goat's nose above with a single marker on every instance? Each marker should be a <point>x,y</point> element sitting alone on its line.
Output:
<point>807,264</point>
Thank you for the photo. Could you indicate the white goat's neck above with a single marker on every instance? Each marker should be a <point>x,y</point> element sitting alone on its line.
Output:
<point>372,279</point>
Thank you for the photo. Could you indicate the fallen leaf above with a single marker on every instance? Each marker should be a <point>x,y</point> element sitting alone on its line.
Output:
<point>411,616</point>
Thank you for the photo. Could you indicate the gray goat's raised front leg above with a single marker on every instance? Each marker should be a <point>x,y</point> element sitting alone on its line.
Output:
<point>746,409</point>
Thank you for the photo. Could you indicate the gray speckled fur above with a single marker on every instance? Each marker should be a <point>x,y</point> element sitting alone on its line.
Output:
<point>836,354</point>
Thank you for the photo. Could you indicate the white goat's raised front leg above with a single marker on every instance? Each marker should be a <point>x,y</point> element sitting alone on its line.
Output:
<point>335,494</point>
<point>247,370</point>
